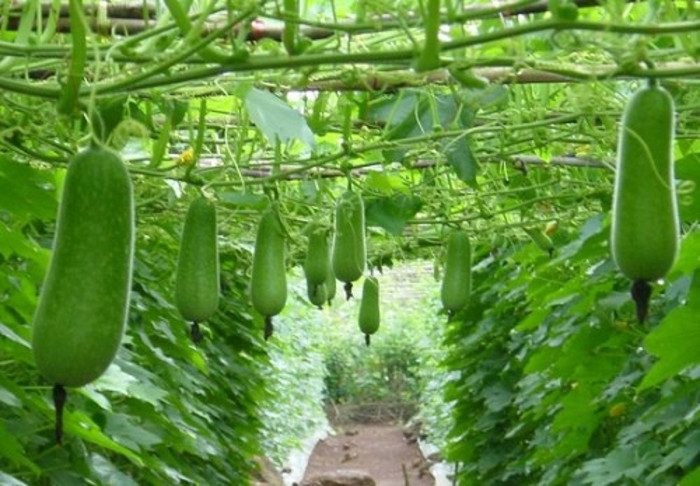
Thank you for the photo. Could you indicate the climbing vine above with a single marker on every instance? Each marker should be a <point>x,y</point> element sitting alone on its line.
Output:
<point>496,118</point>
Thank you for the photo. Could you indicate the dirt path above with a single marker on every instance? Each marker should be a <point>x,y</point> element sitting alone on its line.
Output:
<point>379,450</point>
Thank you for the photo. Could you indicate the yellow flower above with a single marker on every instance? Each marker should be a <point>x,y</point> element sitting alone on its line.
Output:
<point>186,158</point>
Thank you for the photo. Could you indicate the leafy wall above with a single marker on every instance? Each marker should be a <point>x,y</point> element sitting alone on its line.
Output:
<point>555,382</point>
<point>166,411</point>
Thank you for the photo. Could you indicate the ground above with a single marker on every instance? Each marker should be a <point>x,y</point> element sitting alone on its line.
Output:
<point>380,450</point>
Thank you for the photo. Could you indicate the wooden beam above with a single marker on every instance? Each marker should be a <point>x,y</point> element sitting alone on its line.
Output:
<point>127,17</point>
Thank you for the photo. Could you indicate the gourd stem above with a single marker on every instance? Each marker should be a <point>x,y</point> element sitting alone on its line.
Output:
<point>641,294</point>
<point>269,329</point>
<point>348,290</point>
<point>367,339</point>
<point>196,332</point>
<point>59,400</point>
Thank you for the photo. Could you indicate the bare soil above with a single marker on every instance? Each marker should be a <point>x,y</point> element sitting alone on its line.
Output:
<point>380,450</point>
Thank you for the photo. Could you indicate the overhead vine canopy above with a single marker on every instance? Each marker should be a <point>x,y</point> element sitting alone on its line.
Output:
<point>498,115</point>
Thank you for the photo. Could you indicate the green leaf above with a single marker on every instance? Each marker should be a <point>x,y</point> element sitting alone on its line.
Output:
<point>383,182</point>
<point>128,432</point>
<point>689,256</point>
<point>15,243</point>
<point>24,191</point>
<point>460,156</point>
<point>108,113</point>
<point>692,478</point>
<point>12,336</point>
<point>676,340</point>
<point>7,480</point>
<point>611,469</point>
<point>115,380</point>
<point>11,449</point>
<point>80,425</point>
<point>391,213</point>
<point>491,96</point>
<point>276,119</point>
<point>108,473</point>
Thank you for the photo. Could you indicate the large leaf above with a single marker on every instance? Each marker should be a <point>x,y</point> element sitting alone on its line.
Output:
<point>461,158</point>
<point>276,119</point>
<point>7,480</point>
<point>23,190</point>
<point>410,115</point>
<point>676,341</point>
<point>392,212</point>
<point>11,449</point>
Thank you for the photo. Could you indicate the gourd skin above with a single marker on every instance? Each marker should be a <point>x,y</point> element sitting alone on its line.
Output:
<point>369,316</point>
<point>317,293</point>
<point>197,283</point>
<point>269,281</point>
<point>645,224</point>
<point>349,248</point>
<point>83,305</point>
<point>316,264</point>
<point>456,283</point>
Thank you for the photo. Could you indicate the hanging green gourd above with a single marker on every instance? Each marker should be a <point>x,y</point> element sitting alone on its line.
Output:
<point>317,264</point>
<point>269,280</point>
<point>645,228</point>
<point>369,316</point>
<point>349,247</point>
<point>84,301</point>
<point>197,281</point>
<point>456,283</point>
<point>317,294</point>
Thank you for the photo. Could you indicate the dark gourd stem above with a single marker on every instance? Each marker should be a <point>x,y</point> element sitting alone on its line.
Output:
<point>319,306</point>
<point>367,339</point>
<point>59,400</point>
<point>268,327</point>
<point>196,332</point>
<point>348,290</point>
<point>641,294</point>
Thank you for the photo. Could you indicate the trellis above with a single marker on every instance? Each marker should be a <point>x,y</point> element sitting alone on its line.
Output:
<point>136,49</point>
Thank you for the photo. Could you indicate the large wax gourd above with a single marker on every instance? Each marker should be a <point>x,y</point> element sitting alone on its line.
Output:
<point>456,283</point>
<point>84,301</point>
<point>369,316</point>
<point>645,226</point>
<point>316,263</point>
<point>197,282</point>
<point>349,247</point>
<point>269,279</point>
<point>83,305</point>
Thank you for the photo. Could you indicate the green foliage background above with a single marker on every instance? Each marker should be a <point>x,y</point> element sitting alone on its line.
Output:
<point>553,380</point>
<point>166,411</point>
<point>548,379</point>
